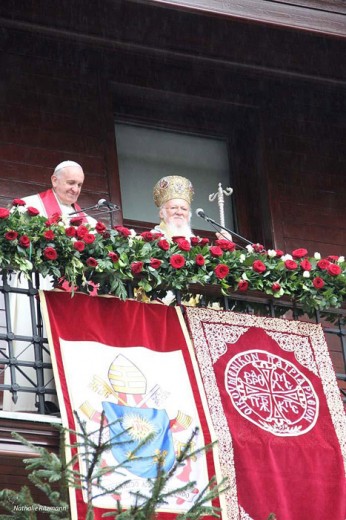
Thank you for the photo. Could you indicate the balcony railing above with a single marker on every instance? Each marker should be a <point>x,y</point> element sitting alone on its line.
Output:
<point>26,378</point>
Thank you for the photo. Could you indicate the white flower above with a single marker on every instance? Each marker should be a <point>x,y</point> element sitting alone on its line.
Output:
<point>271,253</point>
<point>341,259</point>
<point>216,306</point>
<point>317,256</point>
<point>306,274</point>
<point>242,258</point>
<point>286,257</point>
<point>250,249</point>
<point>244,277</point>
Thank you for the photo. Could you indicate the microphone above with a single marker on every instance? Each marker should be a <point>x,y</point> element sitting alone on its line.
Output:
<point>105,203</point>
<point>200,213</point>
<point>101,204</point>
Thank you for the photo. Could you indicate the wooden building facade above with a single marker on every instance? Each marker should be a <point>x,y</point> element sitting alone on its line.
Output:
<point>267,77</point>
<point>275,92</point>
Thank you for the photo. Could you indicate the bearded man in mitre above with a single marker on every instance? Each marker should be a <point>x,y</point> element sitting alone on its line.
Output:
<point>173,195</point>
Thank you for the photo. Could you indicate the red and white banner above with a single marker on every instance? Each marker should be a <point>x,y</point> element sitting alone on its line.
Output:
<point>277,413</point>
<point>131,361</point>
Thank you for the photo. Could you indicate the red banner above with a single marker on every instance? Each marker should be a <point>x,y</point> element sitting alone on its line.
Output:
<point>131,361</point>
<point>277,412</point>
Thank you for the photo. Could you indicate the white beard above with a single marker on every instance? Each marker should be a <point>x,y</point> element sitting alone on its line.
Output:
<point>180,231</point>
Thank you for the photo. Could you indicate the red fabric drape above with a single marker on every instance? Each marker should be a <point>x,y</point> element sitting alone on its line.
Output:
<point>273,381</point>
<point>121,324</point>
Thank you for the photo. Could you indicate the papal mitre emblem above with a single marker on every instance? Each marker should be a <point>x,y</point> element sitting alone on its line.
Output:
<point>125,377</point>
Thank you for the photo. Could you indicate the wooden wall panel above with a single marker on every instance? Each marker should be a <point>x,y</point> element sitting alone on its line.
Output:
<point>13,474</point>
<point>306,164</point>
<point>51,109</point>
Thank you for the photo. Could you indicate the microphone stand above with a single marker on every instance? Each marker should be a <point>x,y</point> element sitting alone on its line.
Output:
<point>106,211</point>
<point>99,211</point>
<point>233,233</point>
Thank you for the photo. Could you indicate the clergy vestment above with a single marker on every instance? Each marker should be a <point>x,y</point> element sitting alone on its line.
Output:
<point>47,204</point>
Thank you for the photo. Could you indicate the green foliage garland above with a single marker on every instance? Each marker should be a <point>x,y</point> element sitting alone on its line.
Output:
<point>103,261</point>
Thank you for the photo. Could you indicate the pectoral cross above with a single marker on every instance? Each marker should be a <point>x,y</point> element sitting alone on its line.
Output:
<point>220,200</point>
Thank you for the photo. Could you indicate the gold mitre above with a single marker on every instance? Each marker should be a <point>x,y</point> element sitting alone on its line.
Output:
<point>172,187</point>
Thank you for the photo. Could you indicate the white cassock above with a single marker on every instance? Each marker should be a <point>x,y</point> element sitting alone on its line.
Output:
<point>21,325</point>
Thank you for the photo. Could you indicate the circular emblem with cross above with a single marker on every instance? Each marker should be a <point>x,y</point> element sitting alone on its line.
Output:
<point>271,393</point>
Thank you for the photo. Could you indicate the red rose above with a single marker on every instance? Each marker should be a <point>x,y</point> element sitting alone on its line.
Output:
<point>147,236</point>
<point>49,235</point>
<point>279,253</point>
<point>163,244</point>
<point>79,245</point>
<point>225,245</point>
<point>332,258</point>
<point>18,202</point>
<point>92,262</point>
<point>216,251</point>
<point>258,248</point>
<point>194,241</point>
<point>276,287</point>
<point>32,211</point>
<point>4,212</point>
<point>24,241</point>
<point>204,241</point>
<point>299,253</point>
<point>81,231</point>
<point>11,235</point>
<point>318,282</point>
<point>177,261</point>
<point>156,235</point>
<point>70,231</point>
<point>259,266</point>
<point>136,267</point>
<point>243,285</point>
<point>200,260</point>
<point>50,253</point>
<point>89,238</point>
<point>100,227</point>
<point>113,256</point>
<point>291,265</point>
<point>305,265</point>
<point>323,264</point>
<point>76,221</point>
<point>53,219</point>
<point>184,244</point>
<point>123,231</point>
<point>155,263</point>
<point>221,271</point>
<point>333,269</point>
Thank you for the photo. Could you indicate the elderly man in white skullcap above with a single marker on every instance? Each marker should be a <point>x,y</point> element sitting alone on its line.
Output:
<point>67,181</point>
<point>61,199</point>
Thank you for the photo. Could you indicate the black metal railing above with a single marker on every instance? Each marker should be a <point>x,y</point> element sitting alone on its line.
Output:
<point>26,378</point>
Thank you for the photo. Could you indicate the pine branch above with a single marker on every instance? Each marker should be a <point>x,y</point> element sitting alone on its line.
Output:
<point>49,471</point>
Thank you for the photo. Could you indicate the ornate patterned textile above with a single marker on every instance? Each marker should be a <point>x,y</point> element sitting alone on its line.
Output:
<point>277,413</point>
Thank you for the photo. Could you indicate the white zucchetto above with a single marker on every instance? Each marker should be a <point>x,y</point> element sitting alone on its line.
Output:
<point>65,164</point>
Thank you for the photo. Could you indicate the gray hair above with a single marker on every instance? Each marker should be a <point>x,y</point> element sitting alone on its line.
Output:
<point>65,164</point>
